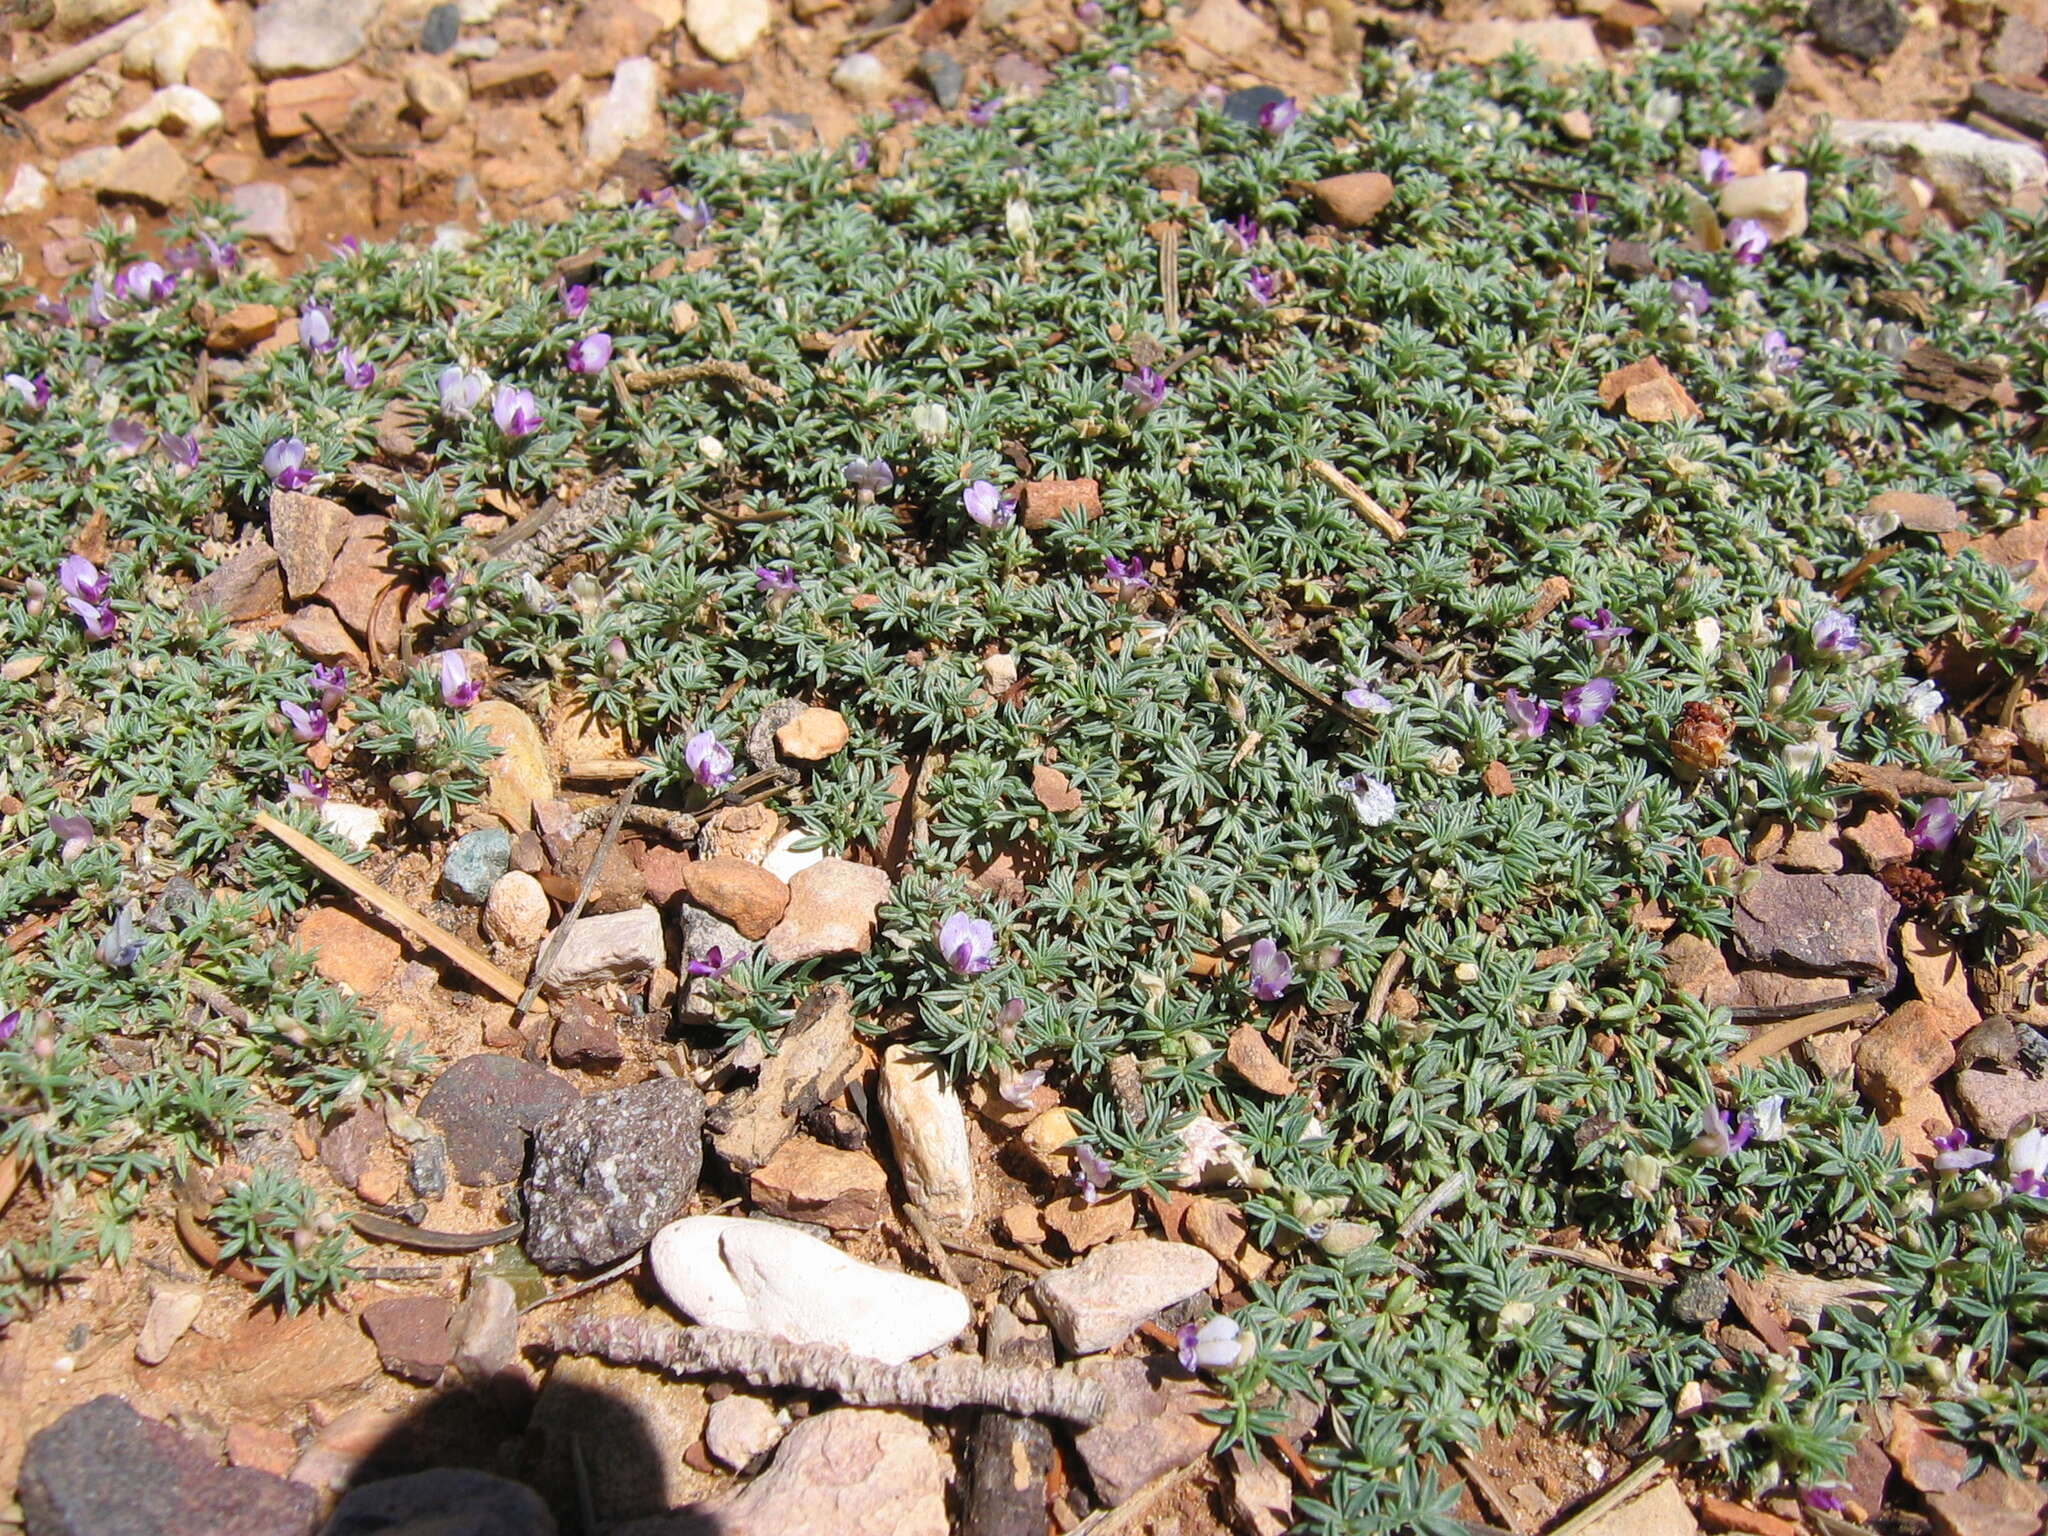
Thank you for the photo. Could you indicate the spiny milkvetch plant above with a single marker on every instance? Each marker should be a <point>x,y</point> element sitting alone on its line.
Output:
<point>1225,851</point>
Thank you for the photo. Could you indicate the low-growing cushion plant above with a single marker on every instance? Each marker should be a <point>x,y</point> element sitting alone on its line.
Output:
<point>1579,598</point>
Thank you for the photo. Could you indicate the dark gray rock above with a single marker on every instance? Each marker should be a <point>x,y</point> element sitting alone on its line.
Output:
<point>1245,106</point>
<point>1009,1458</point>
<point>427,1167</point>
<point>1700,1300</point>
<point>611,1172</point>
<point>1865,29</point>
<point>104,1470</point>
<point>448,1501</point>
<point>942,72</point>
<point>440,28</point>
<point>2025,110</point>
<point>1817,925</point>
<point>761,739</point>
<point>485,1106</point>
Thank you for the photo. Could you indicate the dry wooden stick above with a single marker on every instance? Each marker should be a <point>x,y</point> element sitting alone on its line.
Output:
<point>1439,1197</point>
<point>1105,1522</point>
<point>1022,1263</point>
<point>395,908</point>
<point>1359,498</point>
<point>66,62</point>
<point>605,770</point>
<point>1782,1036</point>
<point>1383,984</point>
<point>934,1247</point>
<point>1236,628</point>
<point>1490,1494</point>
<point>954,1381</point>
<point>561,934</point>
<point>1643,1277</point>
<point>1619,1492</point>
<point>1169,276</point>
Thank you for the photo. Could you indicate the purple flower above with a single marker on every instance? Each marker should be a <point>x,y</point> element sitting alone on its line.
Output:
<point>182,449</point>
<point>356,373</point>
<point>316,328</point>
<point>1822,1497</point>
<point>1687,294</point>
<point>1603,629</point>
<point>575,300</point>
<point>1120,77</point>
<point>96,305</point>
<point>985,504</point>
<point>144,282</point>
<point>1245,230</point>
<point>329,685</point>
<point>285,462</point>
<point>776,580</point>
<point>220,254</point>
<point>1369,700</point>
<point>1262,285</point>
<point>437,594</point>
<point>709,760</point>
<point>1835,634</point>
<point>120,946</point>
<point>307,724</point>
<point>35,392</point>
<point>1017,1091</point>
<point>97,619</point>
<point>1089,13</point>
<point>1148,388</point>
<point>1372,802</point>
<point>1954,1154</point>
<point>1129,575</point>
<point>10,1021</point>
<point>1716,1138</point>
<point>908,109</point>
<point>458,689</point>
<point>1936,827</point>
<point>1211,1347</point>
<point>1748,239</point>
<point>1781,357</point>
<point>1270,970</point>
<point>713,963</point>
<point>870,477</point>
<point>1276,117</point>
<point>2026,1161</point>
<point>515,411</point>
<point>1583,204</point>
<point>81,579</point>
<point>968,943</point>
<point>126,436</point>
<point>858,154</point>
<point>75,836</point>
<point>461,390</point>
<point>1714,167</point>
<point>1588,703</point>
<point>1092,1173</point>
<point>591,353</point>
<point>982,113</point>
<point>306,785</point>
<point>1528,718</point>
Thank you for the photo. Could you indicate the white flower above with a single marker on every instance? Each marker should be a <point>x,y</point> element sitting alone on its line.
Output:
<point>1924,701</point>
<point>1769,1119</point>
<point>1371,801</point>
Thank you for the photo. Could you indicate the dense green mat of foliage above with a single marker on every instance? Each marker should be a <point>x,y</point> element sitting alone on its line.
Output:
<point>998,287</point>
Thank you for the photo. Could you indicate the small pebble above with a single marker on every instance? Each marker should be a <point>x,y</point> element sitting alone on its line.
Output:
<point>439,29</point>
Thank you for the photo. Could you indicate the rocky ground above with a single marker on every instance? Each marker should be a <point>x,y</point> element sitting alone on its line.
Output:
<point>829,1193</point>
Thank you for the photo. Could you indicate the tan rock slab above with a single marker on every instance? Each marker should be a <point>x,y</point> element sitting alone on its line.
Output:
<point>1253,1060</point>
<point>813,736</point>
<point>521,773</point>
<point>808,1181</point>
<point>346,950</point>
<point>743,894</point>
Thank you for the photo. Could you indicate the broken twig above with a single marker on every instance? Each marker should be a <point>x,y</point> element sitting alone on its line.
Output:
<point>396,908</point>
<point>1647,1278</point>
<point>60,66</point>
<point>1360,499</point>
<point>590,876</point>
<point>1235,626</point>
<point>1788,1034</point>
<point>956,1381</point>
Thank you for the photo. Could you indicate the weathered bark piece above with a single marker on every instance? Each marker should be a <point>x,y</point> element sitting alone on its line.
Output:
<point>817,1058</point>
<point>1009,1458</point>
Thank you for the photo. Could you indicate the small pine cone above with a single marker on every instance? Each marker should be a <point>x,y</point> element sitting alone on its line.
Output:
<point>1837,1253</point>
<point>1913,888</point>
<point>1700,739</point>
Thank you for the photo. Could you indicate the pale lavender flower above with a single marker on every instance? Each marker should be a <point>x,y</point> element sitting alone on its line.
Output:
<point>1691,295</point>
<point>121,945</point>
<point>1781,357</point>
<point>1717,1138</point>
<point>1937,826</point>
<point>1213,1346</point>
<point>181,448</point>
<point>776,581</point>
<point>357,373</point>
<point>316,328</point>
<point>1372,802</point>
<point>1245,230</point>
<point>1361,696</point>
<point>437,594</point>
<point>1588,703</point>
<point>1823,1497</point>
<point>458,689</point>
<point>1017,1091</point>
<point>515,411</point>
<point>329,685</point>
<point>982,113</point>
<point>347,245</point>
<point>1835,634</point>
<point>1276,117</point>
<point>1119,81</point>
<point>1748,239</point>
<point>35,392</point>
<point>80,578</point>
<point>1954,1154</point>
<point>1148,388</point>
<point>126,436</point>
<point>308,786</point>
<point>96,305</point>
<point>307,724</point>
<point>1262,285</point>
<point>462,389</point>
<point>285,462</point>
<point>145,283</point>
<point>591,353</point>
<point>858,154</point>
<point>75,833</point>
<point>1583,204</point>
<point>97,619</point>
<point>909,109</point>
<point>1092,1172</point>
<point>870,478</point>
<point>1270,970</point>
<point>575,300</point>
<point>1128,574</point>
<point>10,1021</point>
<point>709,760</point>
<point>1089,13</point>
<point>1603,629</point>
<point>985,504</point>
<point>713,963</point>
<point>2026,1164</point>
<point>1714,167</point>
<point>968,943</point>
<point>1528,718</point>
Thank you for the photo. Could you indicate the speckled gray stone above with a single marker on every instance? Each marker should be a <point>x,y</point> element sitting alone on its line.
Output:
<point>611,1171</point>
<point>474,865</point>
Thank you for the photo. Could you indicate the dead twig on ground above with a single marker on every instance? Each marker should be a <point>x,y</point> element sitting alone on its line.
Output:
<point>383,1229</point>
<point>1438,1198</point>
<point>1235,627</point>
<point>956,1381</point>
<point>1620,1491</point>
<point>1490,1493</point>
<point>56,68</point>
<point>623,1267</point>
<point>1360,498</point>
<point>1106,1522</point>
<point>392,907</point>
<point>1383,984</point>
<point>561,934</point>
<point>1788,1034</point>
<point>934,1246</point>
<point>1648,1278</point>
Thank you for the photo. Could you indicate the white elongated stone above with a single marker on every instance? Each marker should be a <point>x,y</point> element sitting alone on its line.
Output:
<point>627,113</point>
<point>756,1276</point>
<point>617,946</point>
<point>928,1129</point>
